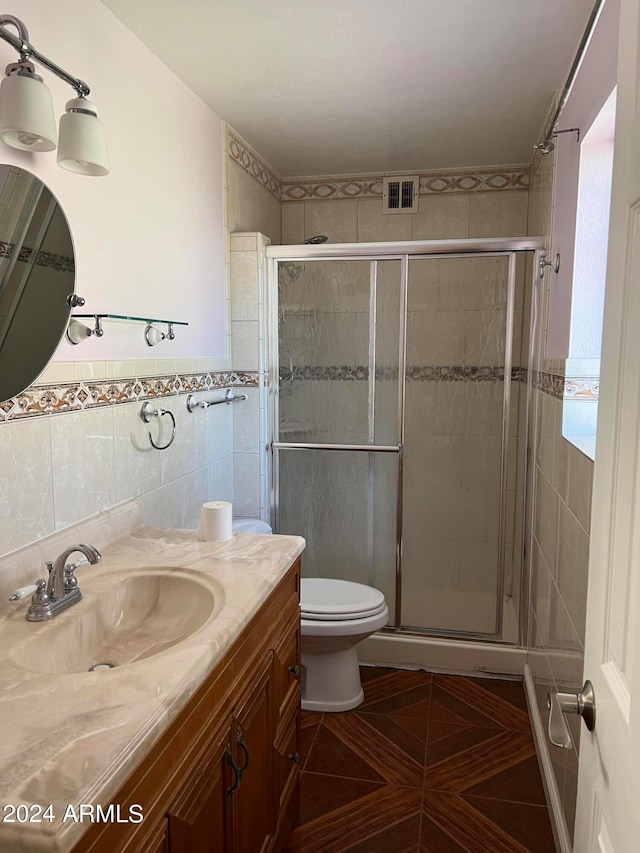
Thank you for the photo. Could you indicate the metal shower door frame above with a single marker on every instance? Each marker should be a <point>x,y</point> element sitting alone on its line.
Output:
<point>402,252</point>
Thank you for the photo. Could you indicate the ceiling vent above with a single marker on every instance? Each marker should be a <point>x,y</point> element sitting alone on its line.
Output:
<point>400,194</point>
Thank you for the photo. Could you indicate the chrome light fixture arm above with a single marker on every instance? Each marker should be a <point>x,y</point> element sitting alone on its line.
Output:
<point>27,51</point>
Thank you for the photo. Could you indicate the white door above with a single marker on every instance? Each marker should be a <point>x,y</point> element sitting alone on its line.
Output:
<point>608,816</point>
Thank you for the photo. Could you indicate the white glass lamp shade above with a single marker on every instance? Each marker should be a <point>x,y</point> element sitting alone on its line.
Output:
<point>27,120</point>
<point>82,147</point>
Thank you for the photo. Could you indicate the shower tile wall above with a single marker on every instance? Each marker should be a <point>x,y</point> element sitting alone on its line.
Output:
<point>252,221</point>
<point>561,481</point>
<point>495,213</point>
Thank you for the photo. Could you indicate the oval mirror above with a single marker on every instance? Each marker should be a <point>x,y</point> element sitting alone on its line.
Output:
<point>37,276</point>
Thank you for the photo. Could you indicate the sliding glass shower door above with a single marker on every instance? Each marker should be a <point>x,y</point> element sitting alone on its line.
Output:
<point>455,499</point>
<point>338,417</point>
<point>392,447</point>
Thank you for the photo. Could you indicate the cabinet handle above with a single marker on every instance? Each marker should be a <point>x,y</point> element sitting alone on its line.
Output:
<point>295,757</point>
<point>243,747</point>
<point>294,670</point>
<point>236,772</point>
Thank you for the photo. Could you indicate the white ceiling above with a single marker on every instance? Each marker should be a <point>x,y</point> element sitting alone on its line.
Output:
<point>353,86</point>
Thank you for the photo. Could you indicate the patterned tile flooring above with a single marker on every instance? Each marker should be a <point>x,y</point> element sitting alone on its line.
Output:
<point>427,764</point>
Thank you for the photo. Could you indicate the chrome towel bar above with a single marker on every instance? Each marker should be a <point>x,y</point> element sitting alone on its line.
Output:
<point>229,397</point>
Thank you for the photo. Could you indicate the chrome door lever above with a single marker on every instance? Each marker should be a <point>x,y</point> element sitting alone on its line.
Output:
<point>583,704</point>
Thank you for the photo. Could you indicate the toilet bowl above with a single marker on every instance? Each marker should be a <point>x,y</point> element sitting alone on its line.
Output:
<point>336,616</point>
<point>250,525</point>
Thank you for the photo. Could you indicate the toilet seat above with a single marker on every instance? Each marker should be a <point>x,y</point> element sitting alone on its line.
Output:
<point>331,600</point>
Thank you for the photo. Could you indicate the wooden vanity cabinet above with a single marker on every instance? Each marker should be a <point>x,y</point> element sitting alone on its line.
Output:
<point>224,776</point>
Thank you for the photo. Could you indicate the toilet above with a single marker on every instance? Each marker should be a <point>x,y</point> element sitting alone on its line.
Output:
<point>336,616</point>
<point>250,525</point>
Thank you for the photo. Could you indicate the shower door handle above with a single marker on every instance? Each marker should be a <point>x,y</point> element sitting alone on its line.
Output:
<point>365,448</point>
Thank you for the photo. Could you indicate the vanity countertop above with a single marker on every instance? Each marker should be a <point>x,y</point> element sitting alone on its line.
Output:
<point>74,738</point>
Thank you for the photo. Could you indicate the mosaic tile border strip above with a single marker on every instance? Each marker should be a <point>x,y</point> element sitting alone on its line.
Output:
<point>243,154</point>
<point>567,387</point>
<point>90,394</point>
<point>60,263</point>
<point>431,183</point>
<point>422,373</point>
<point>549,383</point>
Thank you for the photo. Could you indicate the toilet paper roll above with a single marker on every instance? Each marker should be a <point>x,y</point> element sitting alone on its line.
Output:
<point>215,521</point>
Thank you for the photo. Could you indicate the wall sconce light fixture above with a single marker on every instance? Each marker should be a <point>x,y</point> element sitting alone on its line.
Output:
<point>27,118</point>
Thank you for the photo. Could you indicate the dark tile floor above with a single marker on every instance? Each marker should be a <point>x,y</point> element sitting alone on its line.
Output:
<point>427,764</point>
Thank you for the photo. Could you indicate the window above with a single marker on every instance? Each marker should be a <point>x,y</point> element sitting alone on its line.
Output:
<point>582,369</point>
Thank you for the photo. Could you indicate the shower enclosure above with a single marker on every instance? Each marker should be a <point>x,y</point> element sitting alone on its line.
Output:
<point>398,401</point>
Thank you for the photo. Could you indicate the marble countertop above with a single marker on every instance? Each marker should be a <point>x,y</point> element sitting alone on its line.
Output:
<point>71,739</point>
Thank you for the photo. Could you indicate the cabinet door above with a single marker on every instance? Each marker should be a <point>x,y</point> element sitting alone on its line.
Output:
<point>287,753</point>
<point>159,841</point>
<point>252,730</point>
<point>287,664</point>
<point>199,820</point>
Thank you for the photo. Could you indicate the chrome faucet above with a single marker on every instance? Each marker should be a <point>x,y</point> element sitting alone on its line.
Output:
<point>60,590</point>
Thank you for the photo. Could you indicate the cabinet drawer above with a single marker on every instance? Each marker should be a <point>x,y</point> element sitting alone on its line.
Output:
<point>292,581</point>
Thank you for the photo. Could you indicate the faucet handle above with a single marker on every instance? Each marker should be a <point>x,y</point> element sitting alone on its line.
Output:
<point>33,589</point>
<point>40,596</point>
<point>22,592</point>
<point>70,580</point>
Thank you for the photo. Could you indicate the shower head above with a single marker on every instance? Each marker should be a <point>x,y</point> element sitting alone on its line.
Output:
<point>320,238</point>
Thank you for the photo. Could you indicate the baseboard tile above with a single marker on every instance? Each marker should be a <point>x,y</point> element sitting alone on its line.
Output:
<point>450,656</point>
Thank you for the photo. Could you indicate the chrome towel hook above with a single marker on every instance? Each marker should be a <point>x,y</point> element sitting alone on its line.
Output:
<point>147,412</point>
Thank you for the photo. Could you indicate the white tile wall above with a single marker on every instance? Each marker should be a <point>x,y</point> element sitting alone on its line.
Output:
<point>561,515</point>
<point>60,469</point>
<point>26,483</point>
<point>248,348</point>
<point>83,464</point>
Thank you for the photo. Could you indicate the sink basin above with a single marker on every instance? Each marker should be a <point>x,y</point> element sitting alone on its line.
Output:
<point>138,616</point>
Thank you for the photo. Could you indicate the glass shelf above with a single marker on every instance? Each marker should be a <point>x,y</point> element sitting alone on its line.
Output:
<point>127,318</point>
<point>77,331</point>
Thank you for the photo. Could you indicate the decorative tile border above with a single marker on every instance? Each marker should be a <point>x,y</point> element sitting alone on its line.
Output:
<point>431,183</point>
<point>60,263</point>
<point>252,163</point>
<point>549,383</point>
<point>582,388</point>
<point>82,396</point>
<point>333,187</point>
<point>567,387</point>
<point>422,373</point>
